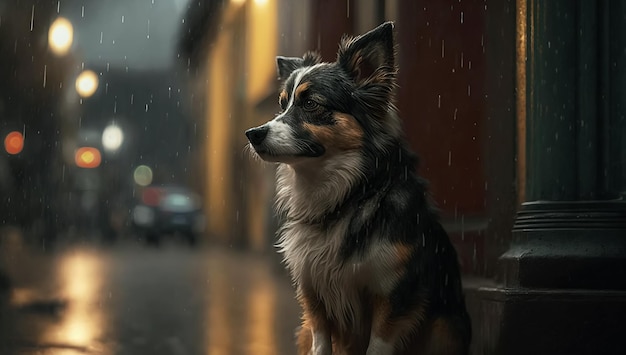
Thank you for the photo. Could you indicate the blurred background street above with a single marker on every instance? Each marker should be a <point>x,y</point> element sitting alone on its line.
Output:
<point>131,299</point>
<point>122,124</point>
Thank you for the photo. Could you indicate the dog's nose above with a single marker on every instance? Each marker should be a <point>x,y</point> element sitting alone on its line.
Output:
<point>257,135</point>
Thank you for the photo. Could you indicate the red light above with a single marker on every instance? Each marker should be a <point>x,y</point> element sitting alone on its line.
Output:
<point>87,157</point>
<point>14,142</point>
<point>151,196</point>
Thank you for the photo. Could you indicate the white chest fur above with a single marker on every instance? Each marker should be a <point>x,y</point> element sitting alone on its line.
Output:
<point>312,255</point>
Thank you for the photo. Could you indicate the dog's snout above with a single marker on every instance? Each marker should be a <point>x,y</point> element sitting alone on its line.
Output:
<point>257,135</point>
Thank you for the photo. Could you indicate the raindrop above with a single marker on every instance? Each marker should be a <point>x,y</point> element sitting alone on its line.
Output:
<point>449,158</point>
<point>462,59</point>
<point>45,72</point>
<point>101,36</point>
<point>148,35</point>
<point>455,111</point>
<point>122,18</point>
<point>108,65</point>
<point>169,92</point>
<point>443,48</point>
<point>132,98</point>
<point>423,240</point>
<point>82,11</point>
<point>32,18</point>
<point>463,227</point>
<point>348,8</point>
<point>146,107</point>
<point>474,258</point>
<point>439,101</point>
<point>461,16</point>
<point>469,90</point>
<point>58,6</point>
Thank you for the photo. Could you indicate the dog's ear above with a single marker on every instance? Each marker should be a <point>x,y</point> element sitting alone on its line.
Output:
<point>369,57</point>
<point>286,66</point>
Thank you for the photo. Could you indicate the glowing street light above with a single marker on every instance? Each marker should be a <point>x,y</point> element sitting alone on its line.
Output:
<point>87,157</point>
<point>14,142</point>
<point>86,83</point>
<point>60,36</point>
<point>143,175</point>
<point>112,138</point>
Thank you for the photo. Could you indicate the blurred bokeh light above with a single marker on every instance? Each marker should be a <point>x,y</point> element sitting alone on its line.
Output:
<point>60,36</point>
<point>86,83</point>
<point>112,138</point>
<point>88,157</point>
<point>143,175</point>
<point>14,142</point>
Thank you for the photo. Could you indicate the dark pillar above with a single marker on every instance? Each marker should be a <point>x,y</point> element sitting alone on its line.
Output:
<point>562,283</point>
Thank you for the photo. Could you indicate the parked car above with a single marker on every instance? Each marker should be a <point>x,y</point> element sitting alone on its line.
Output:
<point>166,211</point>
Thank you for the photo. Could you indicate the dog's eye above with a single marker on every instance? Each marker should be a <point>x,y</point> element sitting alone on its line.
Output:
<point>310,105</point>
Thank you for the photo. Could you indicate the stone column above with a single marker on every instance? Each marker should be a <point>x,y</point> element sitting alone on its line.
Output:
<point>562,283</point>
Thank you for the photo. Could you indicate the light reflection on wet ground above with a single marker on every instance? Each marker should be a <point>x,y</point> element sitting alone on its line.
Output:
<point>135,300</point>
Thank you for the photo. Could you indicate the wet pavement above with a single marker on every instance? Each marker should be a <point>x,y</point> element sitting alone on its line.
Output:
<point>135,300</point>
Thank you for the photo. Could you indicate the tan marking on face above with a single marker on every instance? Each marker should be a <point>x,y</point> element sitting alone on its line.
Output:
<point>301,88</point>
<point>283,96</point>
<point>345,134</point>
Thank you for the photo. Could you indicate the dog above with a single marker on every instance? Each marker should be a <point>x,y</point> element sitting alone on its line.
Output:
<point>374,270</point>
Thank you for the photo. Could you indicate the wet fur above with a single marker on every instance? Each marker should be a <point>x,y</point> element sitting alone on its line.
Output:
<point>374,270</point>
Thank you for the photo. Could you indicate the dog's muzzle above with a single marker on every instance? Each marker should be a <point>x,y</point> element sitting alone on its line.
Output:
<point>257,135</point>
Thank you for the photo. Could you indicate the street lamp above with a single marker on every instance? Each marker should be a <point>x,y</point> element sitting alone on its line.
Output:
<point>86,83</point>
<point>60,36</point>
<point>112,138</point>
<point>143,175</point>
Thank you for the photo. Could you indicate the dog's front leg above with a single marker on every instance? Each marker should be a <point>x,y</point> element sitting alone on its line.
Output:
<point>387,332</point>
<point>315,336</point>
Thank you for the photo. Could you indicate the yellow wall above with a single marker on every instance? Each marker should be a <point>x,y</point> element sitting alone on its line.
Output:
<point>230,109</point>
<point>218,132</point>
<point>261,34</point>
